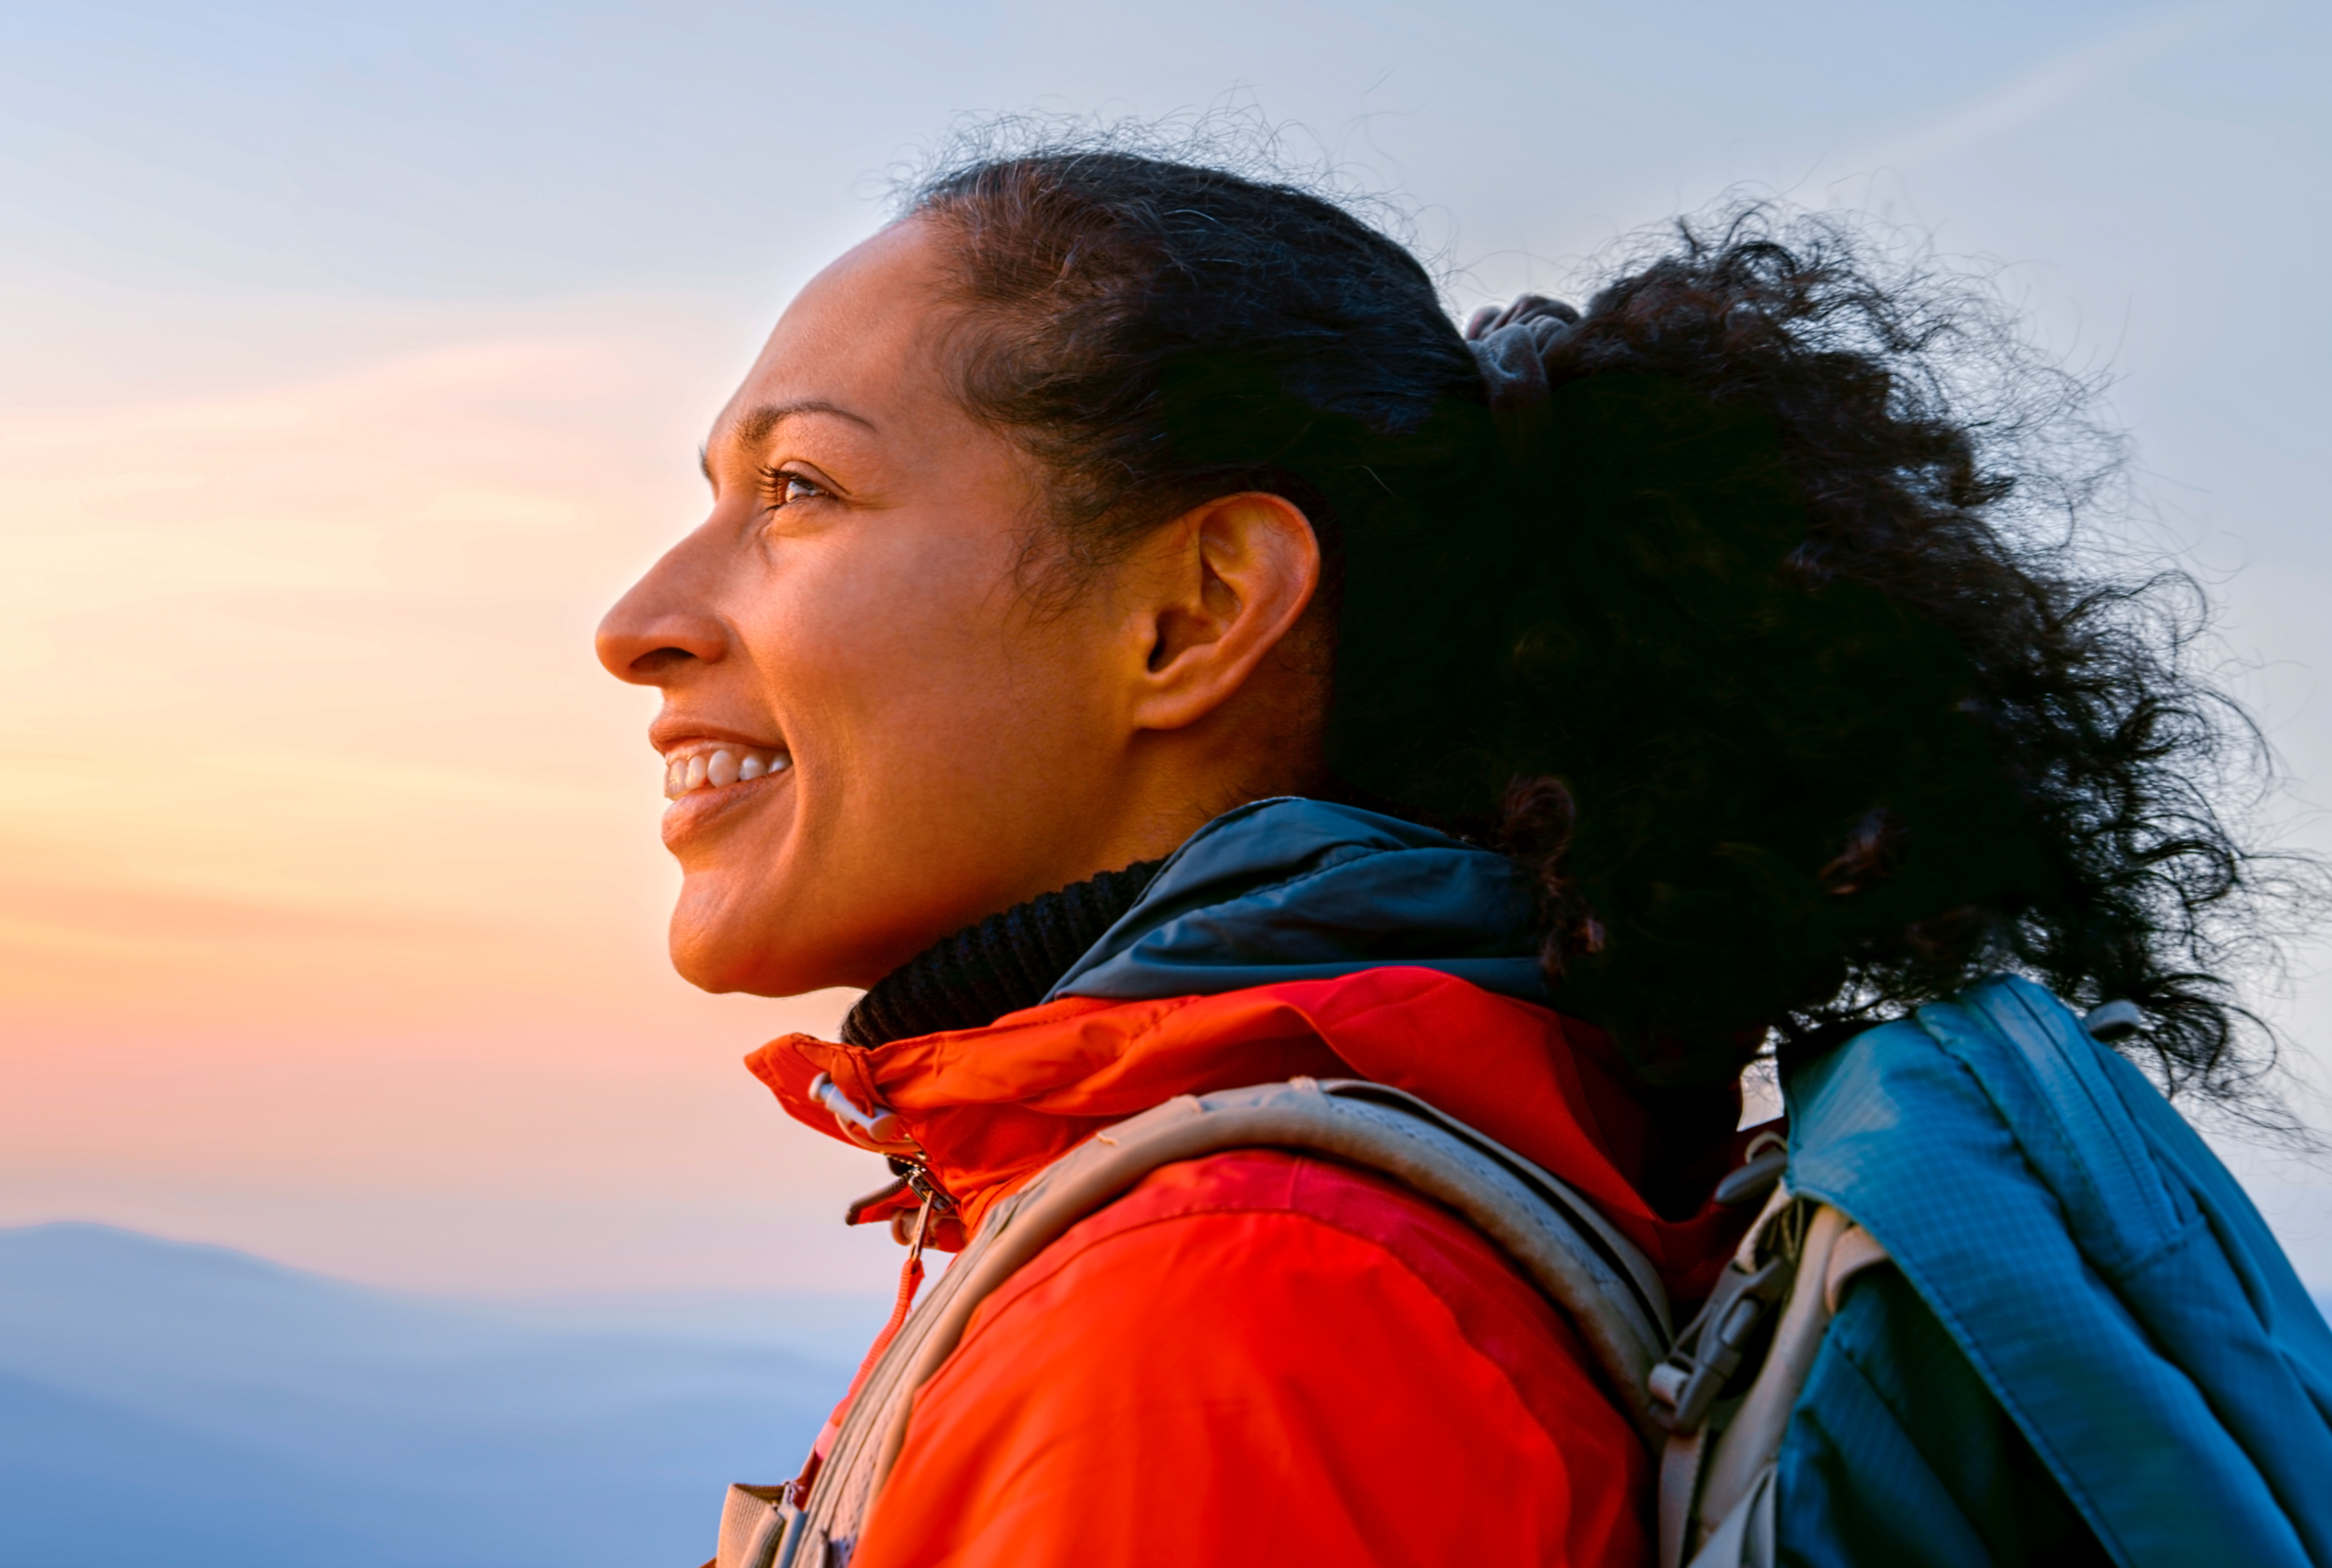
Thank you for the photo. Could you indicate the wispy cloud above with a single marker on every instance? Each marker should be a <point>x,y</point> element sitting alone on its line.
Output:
<point>354,773</point>
<point>2051,85</point>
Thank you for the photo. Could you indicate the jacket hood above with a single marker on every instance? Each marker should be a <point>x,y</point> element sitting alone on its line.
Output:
<point>992,1106</point>
<point>1304,890</point>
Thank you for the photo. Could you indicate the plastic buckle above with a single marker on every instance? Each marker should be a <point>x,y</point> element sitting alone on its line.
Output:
<point>1685,1385</point>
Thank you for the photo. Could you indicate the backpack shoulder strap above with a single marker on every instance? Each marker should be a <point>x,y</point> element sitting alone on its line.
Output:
<point>1601,1283</point>
<point>1716,1481</point>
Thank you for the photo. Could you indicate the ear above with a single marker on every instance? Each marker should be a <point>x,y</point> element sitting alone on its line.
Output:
<point>1217,590</point>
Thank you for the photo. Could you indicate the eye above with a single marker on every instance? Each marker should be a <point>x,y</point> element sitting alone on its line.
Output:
<point>784,487</point>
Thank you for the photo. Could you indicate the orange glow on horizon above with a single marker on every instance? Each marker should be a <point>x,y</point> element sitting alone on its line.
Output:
<point>331,901</point>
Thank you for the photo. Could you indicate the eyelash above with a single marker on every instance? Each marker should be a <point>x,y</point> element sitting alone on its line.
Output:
<point>776,481</point>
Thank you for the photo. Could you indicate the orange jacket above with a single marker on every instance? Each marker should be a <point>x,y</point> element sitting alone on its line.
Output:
<point>1258,1358</point>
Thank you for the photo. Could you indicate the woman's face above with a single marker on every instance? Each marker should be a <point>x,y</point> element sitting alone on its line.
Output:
<point>872,740</point>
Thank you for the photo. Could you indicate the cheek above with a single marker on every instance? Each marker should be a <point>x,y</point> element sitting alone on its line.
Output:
<point>942,741</point>
<point>909,672</point>
<point>948,704</point>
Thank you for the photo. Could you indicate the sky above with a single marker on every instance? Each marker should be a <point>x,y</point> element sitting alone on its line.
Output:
<point>353,358</point>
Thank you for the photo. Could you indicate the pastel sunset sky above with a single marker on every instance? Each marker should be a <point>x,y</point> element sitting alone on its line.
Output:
<point>356,358</point>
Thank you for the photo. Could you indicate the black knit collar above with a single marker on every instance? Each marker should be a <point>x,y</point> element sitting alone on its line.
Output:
<point>1002,965</point>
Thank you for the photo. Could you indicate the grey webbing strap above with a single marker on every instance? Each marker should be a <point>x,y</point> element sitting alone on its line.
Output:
<point>1679,1482</point>
<point>752,1521</point>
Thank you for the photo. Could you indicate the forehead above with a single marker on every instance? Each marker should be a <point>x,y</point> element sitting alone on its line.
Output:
<point>862,338</point>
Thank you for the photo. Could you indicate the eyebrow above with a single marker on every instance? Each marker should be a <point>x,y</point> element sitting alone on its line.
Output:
<point>755,425</point>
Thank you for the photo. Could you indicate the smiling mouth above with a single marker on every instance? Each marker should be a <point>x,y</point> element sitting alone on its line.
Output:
<point>697,767</point>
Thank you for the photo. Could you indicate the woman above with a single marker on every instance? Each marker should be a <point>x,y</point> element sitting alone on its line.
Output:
<point>1143,643</point>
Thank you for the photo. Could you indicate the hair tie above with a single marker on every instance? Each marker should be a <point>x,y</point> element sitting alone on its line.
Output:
<point>1511,345</point>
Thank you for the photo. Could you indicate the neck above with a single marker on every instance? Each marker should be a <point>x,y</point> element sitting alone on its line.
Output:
<point>1002,965</point>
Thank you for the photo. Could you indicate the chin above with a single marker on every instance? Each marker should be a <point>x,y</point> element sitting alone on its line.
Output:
<point>722,967</point>
<point>719,947</point>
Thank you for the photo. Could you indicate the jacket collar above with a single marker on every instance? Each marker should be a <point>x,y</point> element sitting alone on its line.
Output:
<point>990,1107</point>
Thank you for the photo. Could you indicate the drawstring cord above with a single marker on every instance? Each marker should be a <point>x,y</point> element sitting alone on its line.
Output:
<point>910,1279</point>
<point>883,1132</point>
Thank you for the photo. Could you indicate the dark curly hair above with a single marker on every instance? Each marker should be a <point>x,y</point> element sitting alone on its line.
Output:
<point>1766,639</point>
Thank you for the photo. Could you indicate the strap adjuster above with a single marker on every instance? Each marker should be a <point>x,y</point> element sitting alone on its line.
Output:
<point>1685,1385</point>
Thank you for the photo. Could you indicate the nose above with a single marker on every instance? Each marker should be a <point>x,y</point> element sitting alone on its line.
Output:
<point>665,623</point>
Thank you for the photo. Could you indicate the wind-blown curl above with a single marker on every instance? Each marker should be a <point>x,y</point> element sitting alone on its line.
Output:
<point>1976,745</point>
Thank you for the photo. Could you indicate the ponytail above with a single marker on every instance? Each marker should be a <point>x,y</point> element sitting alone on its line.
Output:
<point>1726,604</point>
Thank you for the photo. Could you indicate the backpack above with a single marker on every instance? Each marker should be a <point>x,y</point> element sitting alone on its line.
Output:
<point>2000,1305</point>
<point>2087,1347</point>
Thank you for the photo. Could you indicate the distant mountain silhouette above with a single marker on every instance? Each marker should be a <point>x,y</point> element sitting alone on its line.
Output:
<point>201,1407</point>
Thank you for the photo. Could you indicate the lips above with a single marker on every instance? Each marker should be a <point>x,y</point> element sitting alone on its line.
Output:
<point>697,767</point>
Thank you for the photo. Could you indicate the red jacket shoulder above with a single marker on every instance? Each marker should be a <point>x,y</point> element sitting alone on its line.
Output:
<point>1259,1357</point>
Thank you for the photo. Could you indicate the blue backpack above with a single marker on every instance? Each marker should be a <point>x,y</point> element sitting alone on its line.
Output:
<point>2088,1348</point>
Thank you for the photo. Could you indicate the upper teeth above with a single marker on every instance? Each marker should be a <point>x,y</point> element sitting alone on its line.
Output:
<point>700,767</point>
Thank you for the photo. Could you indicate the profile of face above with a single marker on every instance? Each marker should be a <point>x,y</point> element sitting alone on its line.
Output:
<point>875,732</point>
